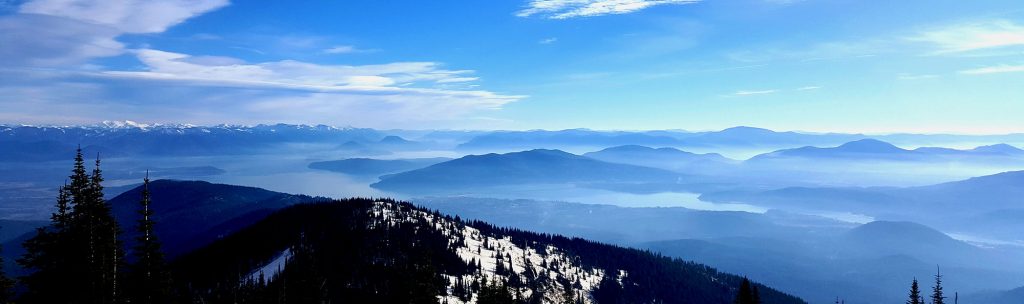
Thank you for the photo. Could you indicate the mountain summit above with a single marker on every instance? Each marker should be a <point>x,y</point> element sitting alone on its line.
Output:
<point>528,167</point>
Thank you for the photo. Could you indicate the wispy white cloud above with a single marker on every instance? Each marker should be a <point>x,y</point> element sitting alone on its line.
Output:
<point>548,40</point>
<point>566,9</point>
<point>291,74</point>
<point>808,88</point>
<point>62,32</point>
<point>754,92</point>
<point>128,16</point>
<point>78,99</point>
<point>344,49</point>
<point>458,79</point>
<point>966,37</point>
<point>225,89</point>
<point>994,70</point>
<point>341,49</point>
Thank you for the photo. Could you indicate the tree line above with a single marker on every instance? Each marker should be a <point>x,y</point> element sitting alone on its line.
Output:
<point>79,257</point>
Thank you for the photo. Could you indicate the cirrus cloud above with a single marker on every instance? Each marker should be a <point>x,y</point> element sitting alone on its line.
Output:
<point>56,33</point>
<point>566,9</point>
<point>973,36</point>
<point>176,87</point>
<point>994,70</point>
<point>753,92</point>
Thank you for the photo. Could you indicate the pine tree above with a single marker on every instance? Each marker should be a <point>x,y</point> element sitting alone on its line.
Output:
<point>150,280</point>
<point>48,256</point>
<point>756,295</point>
<point>745,295</point>
<point>96,231</point>
<point>77,258</point>
<point>915,293</point>
<point>937,297</point>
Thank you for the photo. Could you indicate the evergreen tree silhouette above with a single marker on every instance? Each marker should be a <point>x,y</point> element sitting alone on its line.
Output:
<point>77,258</point>
<point>937,297</point>
<point>745,295</point>
<point>94,225</point>
<point>150,282</point>
<point>915,293</point>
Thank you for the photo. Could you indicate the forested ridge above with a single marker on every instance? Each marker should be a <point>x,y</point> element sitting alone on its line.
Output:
<point>382,250</point>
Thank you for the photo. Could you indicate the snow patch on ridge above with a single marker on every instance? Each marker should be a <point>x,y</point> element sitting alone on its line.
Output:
<point>269,271</point>
<point>475,247</point>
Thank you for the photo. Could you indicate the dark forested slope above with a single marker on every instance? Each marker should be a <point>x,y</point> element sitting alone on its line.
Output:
<point>191,214</point>
<point>382,251</point>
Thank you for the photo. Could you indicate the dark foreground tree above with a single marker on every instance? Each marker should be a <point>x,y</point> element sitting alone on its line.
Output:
<point>746,294</point>
<point>78,258</point>
<point>915,293</point>
<point>149,281</point>
<point>48,259</point>
<point>94,225</point>
<point>937,297</point>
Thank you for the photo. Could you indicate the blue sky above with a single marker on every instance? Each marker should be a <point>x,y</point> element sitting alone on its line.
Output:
<point>813,65</point>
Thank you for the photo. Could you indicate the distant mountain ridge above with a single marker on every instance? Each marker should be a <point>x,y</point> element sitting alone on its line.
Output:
<point>1012,296</point>
<point>573,137</point>
<point>864,148</point>
<point>873,149</point>
<point>981,199</point>
<point>658,157</point>
<point>42,143</point>
<point>735,136</point>
<point>887,238</point>
<point>527,167</point>
<point>32,143</point>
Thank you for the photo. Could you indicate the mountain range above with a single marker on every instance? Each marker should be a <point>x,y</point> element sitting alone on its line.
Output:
<point>983,206</point>
<point>41,143</point>
<point>527,167</point>
<point>670,158</point>
<point>873,149</point>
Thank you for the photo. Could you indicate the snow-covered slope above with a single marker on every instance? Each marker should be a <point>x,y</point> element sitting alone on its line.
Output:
<point>499,258</point>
